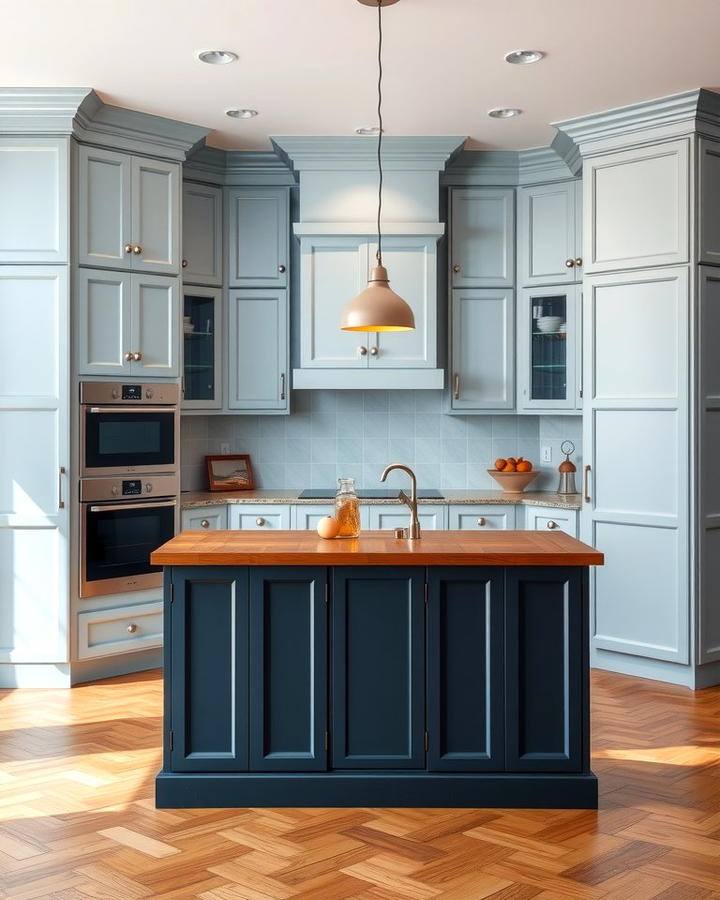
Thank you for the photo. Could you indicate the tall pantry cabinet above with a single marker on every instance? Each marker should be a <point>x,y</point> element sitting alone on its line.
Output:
<point>651,418</point>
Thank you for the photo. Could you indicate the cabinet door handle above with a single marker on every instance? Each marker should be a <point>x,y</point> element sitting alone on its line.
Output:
<point>132,628</point>
<point>569,263</point>
<point>128,248</point>
<point>578,261</point>
<point>61,500</point>
<point>552,524</point>
<point>281,269</point>
<point>585,486</point>
<point>137,356</point>
<point>184,264</point>
<point>362,350</point>
<point>128,356</point>
<point>204,523</point>
<point>481,521</point>
<point>374,351</point>
<point>282,386</point>
<point>137,249</point>
<point>456,268</point>
<point>456,386</point>
<point>259,521</point>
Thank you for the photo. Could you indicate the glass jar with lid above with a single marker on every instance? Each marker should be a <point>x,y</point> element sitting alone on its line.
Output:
<point>347,508</point>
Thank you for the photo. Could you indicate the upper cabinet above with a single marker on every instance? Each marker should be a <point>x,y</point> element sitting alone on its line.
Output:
<point>202,237</point>
<point>128,214</point>
<point>636,206</point>
<point>549,233</point>
<point>33,200</point>
<point>482,237</point>
<point>258,236</point>
<point>202,347</point>
<point>708,192</point>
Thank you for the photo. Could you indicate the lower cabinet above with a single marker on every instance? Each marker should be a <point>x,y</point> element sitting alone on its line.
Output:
<point>308,669</point>
<point>119,629</point>
<point>259,517</point>
<point>432,517</point>
<point>305,517</point>
<point>547,518</point>
<point>492,517</point>
<point>208,518</point>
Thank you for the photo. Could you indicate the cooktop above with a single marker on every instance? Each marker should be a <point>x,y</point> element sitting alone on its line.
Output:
<point>369,493</point>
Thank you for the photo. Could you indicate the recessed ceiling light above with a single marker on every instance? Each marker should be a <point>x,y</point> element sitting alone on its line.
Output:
<point>504,112</point>
<point>523,57</point>
<point>241,113</point>
<point>217,57</point>
<point>368,130</point>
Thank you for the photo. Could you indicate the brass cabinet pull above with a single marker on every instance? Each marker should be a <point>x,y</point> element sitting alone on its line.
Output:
<point>578,261</point>
<point>362,350</point>
<point>374,351</point>
<point>137,356</point>
<point>481,521</point>
<point>132,628</point>
<point>569,263</point>
<point>281,269</point>
<point>282,386</point>
<point>456,268</point>
<point>204,523</point>
<point>552,524</point>
<point>259,521</point>
<point>456,388</point>
<point>184,264</point>
<point>585,487</point>
<point>137,249</point>
<point>61,500</point>
<point>128,356</point>
<point>128,248</point>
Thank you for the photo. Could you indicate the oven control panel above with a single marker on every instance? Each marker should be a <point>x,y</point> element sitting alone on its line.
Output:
<point>93,393</point>
<point>93,490</point>
<point>131,392</point>
<point>131,488</point>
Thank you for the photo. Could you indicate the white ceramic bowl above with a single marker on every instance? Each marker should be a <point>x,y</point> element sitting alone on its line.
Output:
<point>549,323</point>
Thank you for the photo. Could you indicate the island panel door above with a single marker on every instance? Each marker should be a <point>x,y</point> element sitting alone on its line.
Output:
<point>546,709</point>
<point>209,669</point>
<point>378,702</point>
<point>288,669</point>
<point>465,715</point>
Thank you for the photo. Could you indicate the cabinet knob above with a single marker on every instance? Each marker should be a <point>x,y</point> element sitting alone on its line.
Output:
<point>481,521</point>
<point>374,351</point>
<point>128,356</point>
<point>282,385</point>
<point>260,521</point>
<point>552,524</point>
<point>281,268</point>
<point>137,249</point>
<point>128,248</point>
<point>137,356</point>
<point>569,263</point>
<point>362,351</point>
<point>204,524</point>
<point>456,268</point>
<point>184,264</point>
<point>578,261</point>
<point>132,628</point>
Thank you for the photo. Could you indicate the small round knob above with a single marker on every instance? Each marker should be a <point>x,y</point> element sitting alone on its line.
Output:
<point>137,356</point>
<point>204,524</point>
<point>481,521</point>
<point>281,268</point>
<point>184,264</point>
<point>128,248</point>
<point>132,628</point>
<point>374,351</point>
<point>115,393</point>
<point>149,393</point>
<point>128,356</point>
<point>569,263</point>
<point>362,351</point>
<point>137,249</point>
<point>578,261</point>
<point>552,524</point>
<point>260,521</point>
<point>456,268</point>
<point>114,490</point>
<point>148,487</point>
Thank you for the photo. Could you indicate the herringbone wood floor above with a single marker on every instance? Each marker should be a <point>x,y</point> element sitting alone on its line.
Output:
<point>77,818</point>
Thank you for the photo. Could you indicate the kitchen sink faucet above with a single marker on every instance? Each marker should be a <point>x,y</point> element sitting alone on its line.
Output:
<point>413,532</point>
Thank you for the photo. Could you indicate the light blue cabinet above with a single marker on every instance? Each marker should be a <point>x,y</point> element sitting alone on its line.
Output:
<point>548,518</point>
<point>481,517</point>
<point>205,518</point>
<point>549,233</point>
<point>34,200</point>
<point>432,517</point>
<point>258,361</point>
<point>128,214</point>
<point>259,516</point>
<point>482,237</point>
<point>482,339</point>
<point>202,234</point>
<point>127,324</point>
<point>258,227</point>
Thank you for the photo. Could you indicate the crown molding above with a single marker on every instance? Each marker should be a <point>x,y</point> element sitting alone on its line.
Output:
<point>40,110</point>
<point>238,167</point>
<point>482,167</point>
<point>430,154</point>
<point>541,164</point>
<point>664,118</point>
<point>403,229</point>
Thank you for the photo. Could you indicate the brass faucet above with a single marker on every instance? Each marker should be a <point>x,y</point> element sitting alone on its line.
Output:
<point>413,532</point>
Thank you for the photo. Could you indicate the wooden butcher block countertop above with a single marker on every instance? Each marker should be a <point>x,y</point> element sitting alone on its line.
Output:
<point>375,548</point>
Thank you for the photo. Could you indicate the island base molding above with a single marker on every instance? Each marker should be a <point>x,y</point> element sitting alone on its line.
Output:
<point>514,791</point>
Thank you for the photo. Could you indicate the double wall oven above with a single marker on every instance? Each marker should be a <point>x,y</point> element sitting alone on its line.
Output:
<point>129,485</point>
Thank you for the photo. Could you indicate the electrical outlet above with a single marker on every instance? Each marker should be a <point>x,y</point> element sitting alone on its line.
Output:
<point>546,454</point>
<point>225,447</point>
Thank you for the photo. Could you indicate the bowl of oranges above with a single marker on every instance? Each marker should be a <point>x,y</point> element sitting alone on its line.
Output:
<point>513,475</point>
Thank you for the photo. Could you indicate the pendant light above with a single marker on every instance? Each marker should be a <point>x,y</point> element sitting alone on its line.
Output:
<point>378,308</point>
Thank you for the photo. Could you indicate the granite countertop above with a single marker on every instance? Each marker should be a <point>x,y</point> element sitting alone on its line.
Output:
<point>193,499</point>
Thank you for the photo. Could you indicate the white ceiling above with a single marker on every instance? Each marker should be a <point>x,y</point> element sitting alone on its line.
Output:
<point>308,66</point>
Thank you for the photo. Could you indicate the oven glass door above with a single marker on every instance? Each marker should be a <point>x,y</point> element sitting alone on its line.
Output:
<point>128,440</point>
<point>118,540</point>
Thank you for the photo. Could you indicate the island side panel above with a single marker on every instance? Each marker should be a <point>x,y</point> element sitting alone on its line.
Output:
<point>545,693</point>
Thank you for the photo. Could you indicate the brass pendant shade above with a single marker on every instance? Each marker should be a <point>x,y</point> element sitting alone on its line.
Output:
<point>377,308</point>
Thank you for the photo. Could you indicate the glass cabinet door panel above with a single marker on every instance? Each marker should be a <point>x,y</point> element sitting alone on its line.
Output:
<point>549,347</point>
<point>200,349</point>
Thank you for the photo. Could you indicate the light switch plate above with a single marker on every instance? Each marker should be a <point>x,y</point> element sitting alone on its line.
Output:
<point>225,447</point>
<point>546,454</point>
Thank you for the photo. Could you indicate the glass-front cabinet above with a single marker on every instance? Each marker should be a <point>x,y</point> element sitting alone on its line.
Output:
<point>202,326</point>
<point>549,348</point>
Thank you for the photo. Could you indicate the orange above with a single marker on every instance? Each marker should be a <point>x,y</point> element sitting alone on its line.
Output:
<point>510,467</point>
<point>500,464</point>
<point>524,465</point>
<point>511,459</point>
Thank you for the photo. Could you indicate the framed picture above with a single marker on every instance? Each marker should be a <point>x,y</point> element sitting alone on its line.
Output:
<point>230,472</point>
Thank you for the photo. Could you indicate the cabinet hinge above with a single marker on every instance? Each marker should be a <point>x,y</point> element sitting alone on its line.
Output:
<point>427,742</point>
<point>172,740</point>
<point>426,593</point>
<point>326,741</point>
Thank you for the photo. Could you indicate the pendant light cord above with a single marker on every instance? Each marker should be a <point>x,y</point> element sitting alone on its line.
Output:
<point>380,132</point>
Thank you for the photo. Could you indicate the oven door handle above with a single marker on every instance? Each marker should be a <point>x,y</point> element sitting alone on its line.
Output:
<point>121,506</point>
<point>131,409</point>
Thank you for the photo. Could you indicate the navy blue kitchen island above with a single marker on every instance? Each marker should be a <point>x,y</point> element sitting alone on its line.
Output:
<point>450,671</point>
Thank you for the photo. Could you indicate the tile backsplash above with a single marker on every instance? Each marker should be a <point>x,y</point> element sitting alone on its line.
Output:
<point>356,433</point>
